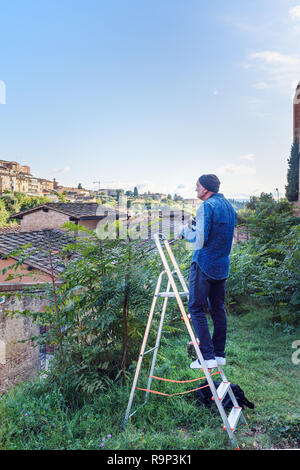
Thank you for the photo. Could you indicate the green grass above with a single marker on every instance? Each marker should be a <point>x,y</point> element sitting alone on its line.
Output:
<point>39,416</point>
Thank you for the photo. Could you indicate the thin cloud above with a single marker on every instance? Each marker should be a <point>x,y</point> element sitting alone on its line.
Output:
<point>237,170</point>
<point>249,156</point>
<point>66,169</point>
<point>295,12</point>
<point>275,58</point>
<point>261,86</point>
<point>279,70</point>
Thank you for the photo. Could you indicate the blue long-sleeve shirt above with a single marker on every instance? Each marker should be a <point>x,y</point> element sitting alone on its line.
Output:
<point>215,222</point>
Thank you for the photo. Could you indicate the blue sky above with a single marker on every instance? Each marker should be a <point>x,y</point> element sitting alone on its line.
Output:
<point>151,93</point>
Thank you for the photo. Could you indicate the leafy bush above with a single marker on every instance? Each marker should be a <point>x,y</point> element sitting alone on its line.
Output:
<point>266,268</point>
<point>98,311</point>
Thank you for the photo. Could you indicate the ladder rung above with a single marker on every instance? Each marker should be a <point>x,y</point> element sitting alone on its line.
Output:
<point>172,294</point>
<point>234,416</point>
<point>222,389</point>
<point>149,350</point>
<point>133,413</point>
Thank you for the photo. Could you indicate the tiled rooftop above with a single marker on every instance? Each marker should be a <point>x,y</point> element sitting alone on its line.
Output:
<point>41,242</point>
<point>78,210</point>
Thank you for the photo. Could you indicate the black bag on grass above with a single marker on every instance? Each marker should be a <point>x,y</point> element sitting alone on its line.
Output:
<point>204,396</point>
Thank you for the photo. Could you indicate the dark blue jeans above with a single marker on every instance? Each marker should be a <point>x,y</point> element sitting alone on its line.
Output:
<point>207,292</point>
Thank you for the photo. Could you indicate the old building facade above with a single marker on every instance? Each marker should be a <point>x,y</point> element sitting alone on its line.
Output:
<point>16,177</point>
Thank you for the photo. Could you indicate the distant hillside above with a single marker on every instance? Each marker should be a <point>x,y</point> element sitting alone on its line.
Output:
<point>238,205</point>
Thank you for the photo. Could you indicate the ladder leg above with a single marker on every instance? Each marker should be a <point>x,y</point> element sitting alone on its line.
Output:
<point>157,342</point>
<point>231,436</point>
<point>230,392</point>
<point>141,356</point>
<point>174,262</point>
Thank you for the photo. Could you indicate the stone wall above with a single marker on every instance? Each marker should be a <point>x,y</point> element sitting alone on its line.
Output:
<point>40,220</point>
<point>28,277</point>
<point>296,205</point>
<point>18,361</point>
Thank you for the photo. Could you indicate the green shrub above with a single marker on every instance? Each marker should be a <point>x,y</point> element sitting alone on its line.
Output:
<point>266,268</point>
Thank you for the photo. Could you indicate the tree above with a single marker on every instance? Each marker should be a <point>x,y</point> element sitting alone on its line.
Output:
<point>135,192</point>
<point>120,193</point>
<point>12,204</point>
<point>262,202</point>
<point>266,219</point>
<point>79,186</point>
<point>62,197</point>
<point>4,214</point>
<point>177,198</point>
<point>33,201</point>
<point>265,268</point>
<point>292,187</point>
<point>98,309</point>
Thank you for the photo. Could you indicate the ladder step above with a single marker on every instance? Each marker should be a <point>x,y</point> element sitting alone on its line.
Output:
<point>171,294</point>
<point>149,350</point>
<point>132,413</point>
<point>234,416</point>
<point>222,389</point>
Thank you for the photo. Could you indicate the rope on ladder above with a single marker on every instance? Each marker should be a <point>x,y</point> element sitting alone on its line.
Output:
<point>183,381</point>
<point>176,381</point>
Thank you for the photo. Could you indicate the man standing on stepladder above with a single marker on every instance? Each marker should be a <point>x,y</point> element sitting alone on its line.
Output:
<point>212,237</point>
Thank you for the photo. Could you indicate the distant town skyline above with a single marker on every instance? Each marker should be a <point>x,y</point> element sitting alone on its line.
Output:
<point>151,94</point>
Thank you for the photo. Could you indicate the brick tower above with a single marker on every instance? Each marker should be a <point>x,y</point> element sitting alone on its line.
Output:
<point>297,126</point>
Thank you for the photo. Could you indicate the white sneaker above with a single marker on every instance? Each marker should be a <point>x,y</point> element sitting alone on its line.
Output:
<point>221,361</point>
<point>210,364</point>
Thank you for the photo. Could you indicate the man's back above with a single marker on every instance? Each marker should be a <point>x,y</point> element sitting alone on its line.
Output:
<point>219,223</point>
<point>215,222</point>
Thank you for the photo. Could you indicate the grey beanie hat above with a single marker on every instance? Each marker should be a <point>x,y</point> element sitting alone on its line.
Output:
<point>210,182</point>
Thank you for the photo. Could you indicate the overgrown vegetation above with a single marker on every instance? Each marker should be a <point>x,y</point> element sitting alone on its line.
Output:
<point>40,415</point>
<point>96,311</point>
<point>292,187</point>
<point>98,317</point>
<point>267,267</point>
<point>12,202</point>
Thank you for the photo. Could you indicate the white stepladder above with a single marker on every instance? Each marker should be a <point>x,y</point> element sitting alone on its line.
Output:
<point>229,421</point>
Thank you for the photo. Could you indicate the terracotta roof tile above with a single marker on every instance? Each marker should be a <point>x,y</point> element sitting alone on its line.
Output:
<point>10,229</point>
<point>41,241</point>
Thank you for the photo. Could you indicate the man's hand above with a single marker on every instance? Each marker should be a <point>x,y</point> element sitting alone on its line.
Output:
<point>190,225</point>
<point>180,231</point>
